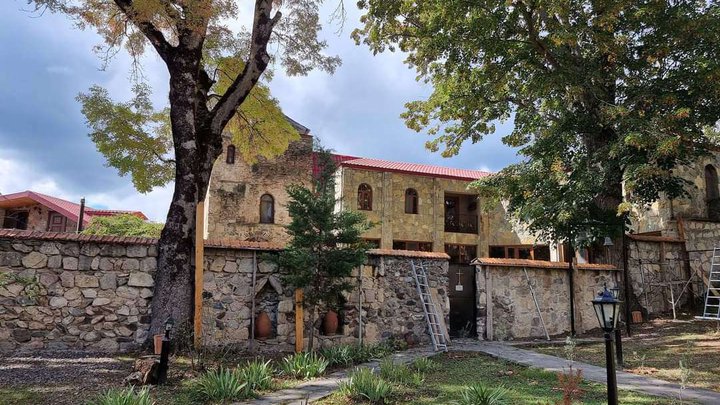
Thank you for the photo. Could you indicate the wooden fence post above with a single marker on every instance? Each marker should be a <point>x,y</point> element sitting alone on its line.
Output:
<point>299,321</point>
<point>199,264</point>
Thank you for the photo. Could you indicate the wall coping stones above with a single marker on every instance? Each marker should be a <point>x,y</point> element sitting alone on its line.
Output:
<point>539,264</point>
<point>408,253</point>
<point>74,237</point>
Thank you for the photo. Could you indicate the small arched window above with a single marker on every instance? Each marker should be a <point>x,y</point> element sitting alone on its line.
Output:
<point>411,201</point>
<point>267,209</point>
<point>230,155</point>
<point>365,197</point>
<point>712,194</point>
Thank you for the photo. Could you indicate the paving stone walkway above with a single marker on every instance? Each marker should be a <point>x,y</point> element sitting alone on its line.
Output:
<point>307,392</point>
<point>314,390</point>
<point>627,381</point>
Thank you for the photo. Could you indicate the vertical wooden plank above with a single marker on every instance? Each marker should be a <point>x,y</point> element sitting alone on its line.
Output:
<point>488,304</point>
<point>199,259</point>
<point>299,323</point>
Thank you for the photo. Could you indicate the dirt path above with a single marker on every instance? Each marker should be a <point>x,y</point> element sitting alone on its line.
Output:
<point>59,377</point>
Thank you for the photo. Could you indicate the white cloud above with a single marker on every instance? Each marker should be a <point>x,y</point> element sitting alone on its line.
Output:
<point>17,176</point>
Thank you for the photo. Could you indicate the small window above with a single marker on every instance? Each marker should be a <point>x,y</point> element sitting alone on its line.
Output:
<point>267,209</point>
<point>365,197</point>
<point>16,219</point>
<point>230,155</point>
<point>411,201</point>
<point>712,194</point>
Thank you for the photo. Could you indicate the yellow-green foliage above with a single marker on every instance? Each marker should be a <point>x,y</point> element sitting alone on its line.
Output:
<point>123,225</point>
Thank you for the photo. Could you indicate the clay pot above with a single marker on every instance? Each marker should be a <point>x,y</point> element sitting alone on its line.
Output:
<point>157,343</point>
<point>263,326</point>
<point>330,323</point>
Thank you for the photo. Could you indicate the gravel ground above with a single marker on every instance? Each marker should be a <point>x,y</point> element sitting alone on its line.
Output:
<point>59,377</point>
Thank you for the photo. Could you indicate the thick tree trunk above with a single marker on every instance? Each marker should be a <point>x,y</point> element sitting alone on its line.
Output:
<point>174,279</point>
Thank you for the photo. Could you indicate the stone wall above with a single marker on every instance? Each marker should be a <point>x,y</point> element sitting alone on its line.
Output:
<point>384,295</point>
<point>505,306</point>
<point>428,225</point>
<point>38,216</point>
<point>93,293</point>
<point>656,265</point>
<point>233,201</point>
<point>87,293</point>
<point>658,215</point>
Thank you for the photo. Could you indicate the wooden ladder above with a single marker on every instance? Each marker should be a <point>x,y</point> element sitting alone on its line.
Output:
<point>431,314</point>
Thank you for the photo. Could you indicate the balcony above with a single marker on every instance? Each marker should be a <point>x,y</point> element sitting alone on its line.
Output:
<point>461,223</point>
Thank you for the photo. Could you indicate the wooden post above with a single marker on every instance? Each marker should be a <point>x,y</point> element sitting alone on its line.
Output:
<point>299,321</point>
<point>199,259</point>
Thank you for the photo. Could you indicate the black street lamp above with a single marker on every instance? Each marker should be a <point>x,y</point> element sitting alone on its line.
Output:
<point>165,353</point>
<point>606,308</point>
<point>618,338</point>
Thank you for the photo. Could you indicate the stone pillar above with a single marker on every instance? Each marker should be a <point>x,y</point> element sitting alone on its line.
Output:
<point>386,213</point>
<point>438,203</point>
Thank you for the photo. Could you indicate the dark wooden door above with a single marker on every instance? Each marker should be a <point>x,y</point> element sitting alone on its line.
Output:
<point>56,222</point>
<point>461,291</point>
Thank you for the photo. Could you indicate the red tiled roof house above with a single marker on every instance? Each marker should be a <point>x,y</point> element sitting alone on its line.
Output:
<point>30,210</point>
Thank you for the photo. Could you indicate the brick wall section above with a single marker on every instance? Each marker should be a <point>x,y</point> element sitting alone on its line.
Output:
<point>505,307</point>
<point>69,291</point>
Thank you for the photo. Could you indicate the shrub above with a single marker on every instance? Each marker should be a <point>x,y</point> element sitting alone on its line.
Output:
<point>570,385</point>
<point>424,364</point>
<point>340,355</point>
<point>125,396</point>
<point>257,375</point>
<point>221,385</point>
<point>400,374</point>
<point>304,365</point>
<point>363,384</point>
<point>478,394</point>
<point>365,353</point>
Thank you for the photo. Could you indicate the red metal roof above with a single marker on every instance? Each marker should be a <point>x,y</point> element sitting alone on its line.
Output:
<point>68,209</point>
<point>414,168</point>
<point>337,159</point>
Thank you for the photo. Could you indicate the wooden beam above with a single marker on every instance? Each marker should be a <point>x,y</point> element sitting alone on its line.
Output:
<point>299,320</point>
<point>199,264</point>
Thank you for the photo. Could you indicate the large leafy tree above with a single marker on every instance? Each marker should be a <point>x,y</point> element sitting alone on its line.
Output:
<point>602,93</point>
<point>325,244</point>
<point>214,68</point>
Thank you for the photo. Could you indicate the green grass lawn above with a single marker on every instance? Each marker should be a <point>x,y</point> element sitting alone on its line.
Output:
<point>525,385</point>
<point>656,348</point>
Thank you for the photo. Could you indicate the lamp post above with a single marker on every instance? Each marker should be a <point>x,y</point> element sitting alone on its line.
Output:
<point>606,308</point>
<point>615,291</point>
<point>165,353</point>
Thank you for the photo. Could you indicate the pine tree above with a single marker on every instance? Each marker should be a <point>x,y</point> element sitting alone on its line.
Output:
<point>325,245</point>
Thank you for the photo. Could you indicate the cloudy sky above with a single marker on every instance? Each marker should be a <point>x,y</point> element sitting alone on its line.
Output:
<point>45,62</point>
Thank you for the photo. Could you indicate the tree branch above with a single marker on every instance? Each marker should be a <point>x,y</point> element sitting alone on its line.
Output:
<point>256,64</point>
<point>154,35</point>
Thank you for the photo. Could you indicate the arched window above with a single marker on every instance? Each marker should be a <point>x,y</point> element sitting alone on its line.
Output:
<point>411,201</point>
<point>267,209</point>
<point>230,155</point>
<point>365,197</point>
<point>712,194</point>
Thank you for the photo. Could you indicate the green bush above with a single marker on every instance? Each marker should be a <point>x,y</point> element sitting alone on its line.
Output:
<point>257,375</point>
<point>424,364</point>
<point>124,396</point>
<point>478,394</point>
<point>363,384</point>
<point>304,365</point>
<point>221,385</point>
<point>400,373</point>
<point>340,355</point>
<point>365,353</point>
